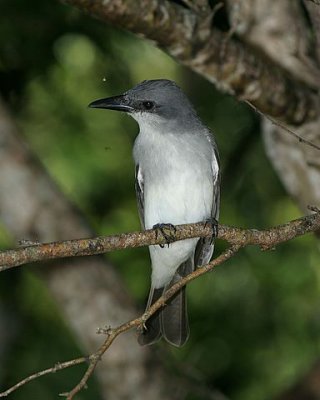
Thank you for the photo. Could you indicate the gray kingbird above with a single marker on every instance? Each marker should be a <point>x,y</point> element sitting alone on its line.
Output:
<point>177,182</point>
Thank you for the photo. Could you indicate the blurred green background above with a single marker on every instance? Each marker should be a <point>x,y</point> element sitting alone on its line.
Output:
<point>255,321</point>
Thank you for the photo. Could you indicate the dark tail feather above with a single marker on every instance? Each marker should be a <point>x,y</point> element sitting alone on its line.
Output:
<point>151,333</point>
<point>172,320</point>
<point>174,317</point>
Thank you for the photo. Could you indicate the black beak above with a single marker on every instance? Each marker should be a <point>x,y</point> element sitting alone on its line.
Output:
<point>118,103</point>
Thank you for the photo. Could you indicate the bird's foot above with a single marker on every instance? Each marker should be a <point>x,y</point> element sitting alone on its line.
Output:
<point>168,231</point>
<point>214,225</point>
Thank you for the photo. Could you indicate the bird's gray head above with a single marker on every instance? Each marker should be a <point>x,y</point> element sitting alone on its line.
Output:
<point>154,102</point>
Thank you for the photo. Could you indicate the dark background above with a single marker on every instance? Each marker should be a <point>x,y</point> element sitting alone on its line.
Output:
<point>255,320</point>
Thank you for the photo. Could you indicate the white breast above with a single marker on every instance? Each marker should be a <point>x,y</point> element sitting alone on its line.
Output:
<point>178,188</point>
<point>182,195</point>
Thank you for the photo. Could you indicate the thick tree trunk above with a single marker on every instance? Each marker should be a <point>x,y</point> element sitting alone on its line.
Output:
<point>280,29</point>
<point>234,66</point>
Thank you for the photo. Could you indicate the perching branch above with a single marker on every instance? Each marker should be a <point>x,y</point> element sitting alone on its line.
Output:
<point>266,239</point>
<point>190,38</point>
<point>237,237</point>
<point>113,333</point>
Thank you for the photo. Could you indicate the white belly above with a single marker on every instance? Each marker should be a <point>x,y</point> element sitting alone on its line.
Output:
<point>178,189</point>
<point>180,197</point>
<point>166,260</point>
<point>177,198</point>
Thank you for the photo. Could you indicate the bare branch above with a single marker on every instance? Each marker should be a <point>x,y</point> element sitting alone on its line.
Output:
<point>191,39</point>
<point>83,247</point>
<point>112,334</point>
<point>57,367</point>
<point>286,129</point>
<point>237,237</point>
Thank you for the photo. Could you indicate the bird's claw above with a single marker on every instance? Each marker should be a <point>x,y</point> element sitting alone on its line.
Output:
<point>214,225</point>
<point>168,231</point>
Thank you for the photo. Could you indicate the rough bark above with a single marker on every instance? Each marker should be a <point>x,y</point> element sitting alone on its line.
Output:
<point>281,30</point>
<point>298,167</point>
<point>191,40</point>
<point>88,291</point>
<point>314,15</point>
<point>265,239</point>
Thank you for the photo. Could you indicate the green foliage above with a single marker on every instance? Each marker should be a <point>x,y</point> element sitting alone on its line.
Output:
<point>254,321</point>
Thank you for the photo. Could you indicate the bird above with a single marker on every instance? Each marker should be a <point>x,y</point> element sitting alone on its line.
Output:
<point>177,181</point>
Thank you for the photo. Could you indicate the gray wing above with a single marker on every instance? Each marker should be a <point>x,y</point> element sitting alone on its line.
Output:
<point>139,186</point>
<point>205,246</point>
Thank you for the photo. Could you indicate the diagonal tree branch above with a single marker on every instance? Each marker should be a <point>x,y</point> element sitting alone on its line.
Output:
<point>113,333</point>
<point>266,239</point>
<point>191,40</point>
<point>237,237</point>
<point>57,367</point>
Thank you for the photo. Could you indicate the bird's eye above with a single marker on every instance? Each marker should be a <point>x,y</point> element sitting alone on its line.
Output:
<point>148,105</point>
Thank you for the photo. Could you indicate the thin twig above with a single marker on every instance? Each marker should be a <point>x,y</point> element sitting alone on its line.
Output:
<point>300,139</point>
<point>238,237</point>
<point>113,333</point>
<point>57,367</point>
<point>266,239</point>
